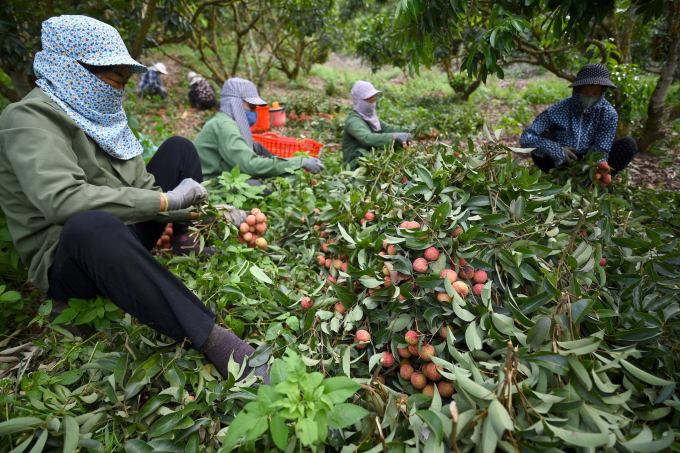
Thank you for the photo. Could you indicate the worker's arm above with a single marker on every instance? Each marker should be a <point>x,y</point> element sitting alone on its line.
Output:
<point>236,151</point>
<point>364,135</point>
<point>543,147</point>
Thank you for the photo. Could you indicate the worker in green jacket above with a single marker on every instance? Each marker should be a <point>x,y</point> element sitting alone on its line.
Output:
<point>363,128</point>
<point>226,142</point>
<point>82,208</point>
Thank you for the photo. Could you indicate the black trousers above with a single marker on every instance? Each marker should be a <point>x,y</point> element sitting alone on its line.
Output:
<point>99,255</point>
<point>203,105</point>
<point>621,154</point>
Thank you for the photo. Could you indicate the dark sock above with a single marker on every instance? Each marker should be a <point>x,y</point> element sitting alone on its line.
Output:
<point>219,347</point>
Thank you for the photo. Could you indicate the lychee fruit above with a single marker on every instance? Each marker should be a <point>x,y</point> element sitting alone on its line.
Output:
<point>337,264</point>
<point>418,380</point>
<point>426,351</point>
<point>340,308</point>
<point>477,289</point>
<point>261,243</point>
<point>321,260</point>
<point>324,248</point>
<point>306,303</point>
<point>314,182</point>
<point>244,228</point>
<point>411,337</point>
<point>251,220</point>
<point>260,217</point>
<point>456,232</point>
<point>462,262</point>
<point>443,332</point>
<point>431,370</point>
<point>428,390</point>
<point>328,263</point>
<point>248,236</point>
<point>388,281</point>
<point>404,352</point>
<point>607,179</point>
<point>420,265</point>
<point>414,224</point>
<point>255,211</point>
<point>369,216</point>
<point>467,272</point>
<point>391,250</point>
<point>597,176</point>
<point>343,268</point>
<point>461,288</point>
<point>362,335</point>
<point>443,298</point>
<point>413,349</point>
<point>480,276</point>
<point>445,389</point>
<point>431,254</point>
<point>331,280</point>
<point>406,371</point>
<point>603,166</point>
<point>603,262</point>
<point>260,228</point>
<point>387,360</point>
<point>450,274</point>
<point>404,179</point>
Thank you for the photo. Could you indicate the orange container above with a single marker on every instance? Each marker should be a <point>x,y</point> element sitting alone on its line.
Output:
<point>277,117</point>
<point>262,123</point>
<point>286,146</point>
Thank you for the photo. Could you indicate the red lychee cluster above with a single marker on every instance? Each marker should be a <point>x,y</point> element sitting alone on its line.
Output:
<point>603,174</point>
<point>253,228</point>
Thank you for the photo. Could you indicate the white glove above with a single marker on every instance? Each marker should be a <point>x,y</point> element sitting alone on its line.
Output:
<point>312,165</point>
<point>187,193</point>
<point>569,155</point>
<point>231,214</point>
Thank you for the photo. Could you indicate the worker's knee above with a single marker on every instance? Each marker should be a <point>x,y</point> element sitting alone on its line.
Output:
<point>177,146</point>
<point>91,227</point>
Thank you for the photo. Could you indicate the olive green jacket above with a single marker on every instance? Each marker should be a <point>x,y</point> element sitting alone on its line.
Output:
<point>50,170</point>
<point>221,147</point>
<point>360,137</point>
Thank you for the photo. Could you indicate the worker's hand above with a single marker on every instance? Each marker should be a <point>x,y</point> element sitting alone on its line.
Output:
<point>187,193</point>
<point>569,155</point>
<point>402,139</point>
<point>231,214</point>
<point>312,165</point>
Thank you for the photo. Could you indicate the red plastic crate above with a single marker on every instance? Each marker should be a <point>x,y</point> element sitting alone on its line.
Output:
<point>286,146</point>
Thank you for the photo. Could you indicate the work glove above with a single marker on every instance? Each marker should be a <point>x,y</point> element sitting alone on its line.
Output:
<point>231,214</point>
<point>402,139</point>
<point>569,155</point>
<point>312,165</point>
<point>187,193</point>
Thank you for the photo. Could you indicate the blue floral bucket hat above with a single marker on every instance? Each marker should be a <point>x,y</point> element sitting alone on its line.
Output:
<point>93,104</point>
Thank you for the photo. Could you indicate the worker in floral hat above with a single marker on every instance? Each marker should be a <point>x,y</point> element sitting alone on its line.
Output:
<point>201,92</point>
<point>151,82</point>
<point>580,125</point>
<point>82,208</point>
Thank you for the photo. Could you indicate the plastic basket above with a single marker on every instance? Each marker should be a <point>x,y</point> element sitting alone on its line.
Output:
<point>286,146</point>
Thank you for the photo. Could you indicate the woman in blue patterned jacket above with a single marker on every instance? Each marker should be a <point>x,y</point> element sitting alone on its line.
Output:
<point>579,125</point>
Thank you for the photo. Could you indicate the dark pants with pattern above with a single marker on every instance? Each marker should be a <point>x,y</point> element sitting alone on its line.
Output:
<point>99,255</point>
<point>621,154</point>
<point>195,102</point>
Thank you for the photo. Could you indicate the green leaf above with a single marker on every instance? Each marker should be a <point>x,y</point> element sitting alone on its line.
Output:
<point>137,446</point>
<point>279,432</point>
<point>500,419</point>
<point>344,415</point>
<point>259,274</point>
<point>643,375</point>
<point>553,362</point>
<point>580,439</point>
<point>24,445</point>
<point>10,296</point>
<point>40,443</point>
<point>16,425</point>
<point>346,236</point>
<point>434,422</point>
<point>472,338</point>
<point>539,332</point>
<point>580,371</point>
<point>71,434</point>
<point>339,388</point>
<point>193,444</point>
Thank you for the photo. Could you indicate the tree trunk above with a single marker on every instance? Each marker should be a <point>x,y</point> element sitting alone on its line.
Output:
<point>138,44</point>
<point>625,33</point>
<point>657,110</point>
<point>21,83</point>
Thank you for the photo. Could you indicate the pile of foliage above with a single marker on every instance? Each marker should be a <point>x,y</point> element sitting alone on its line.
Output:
<point>558,330</point>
